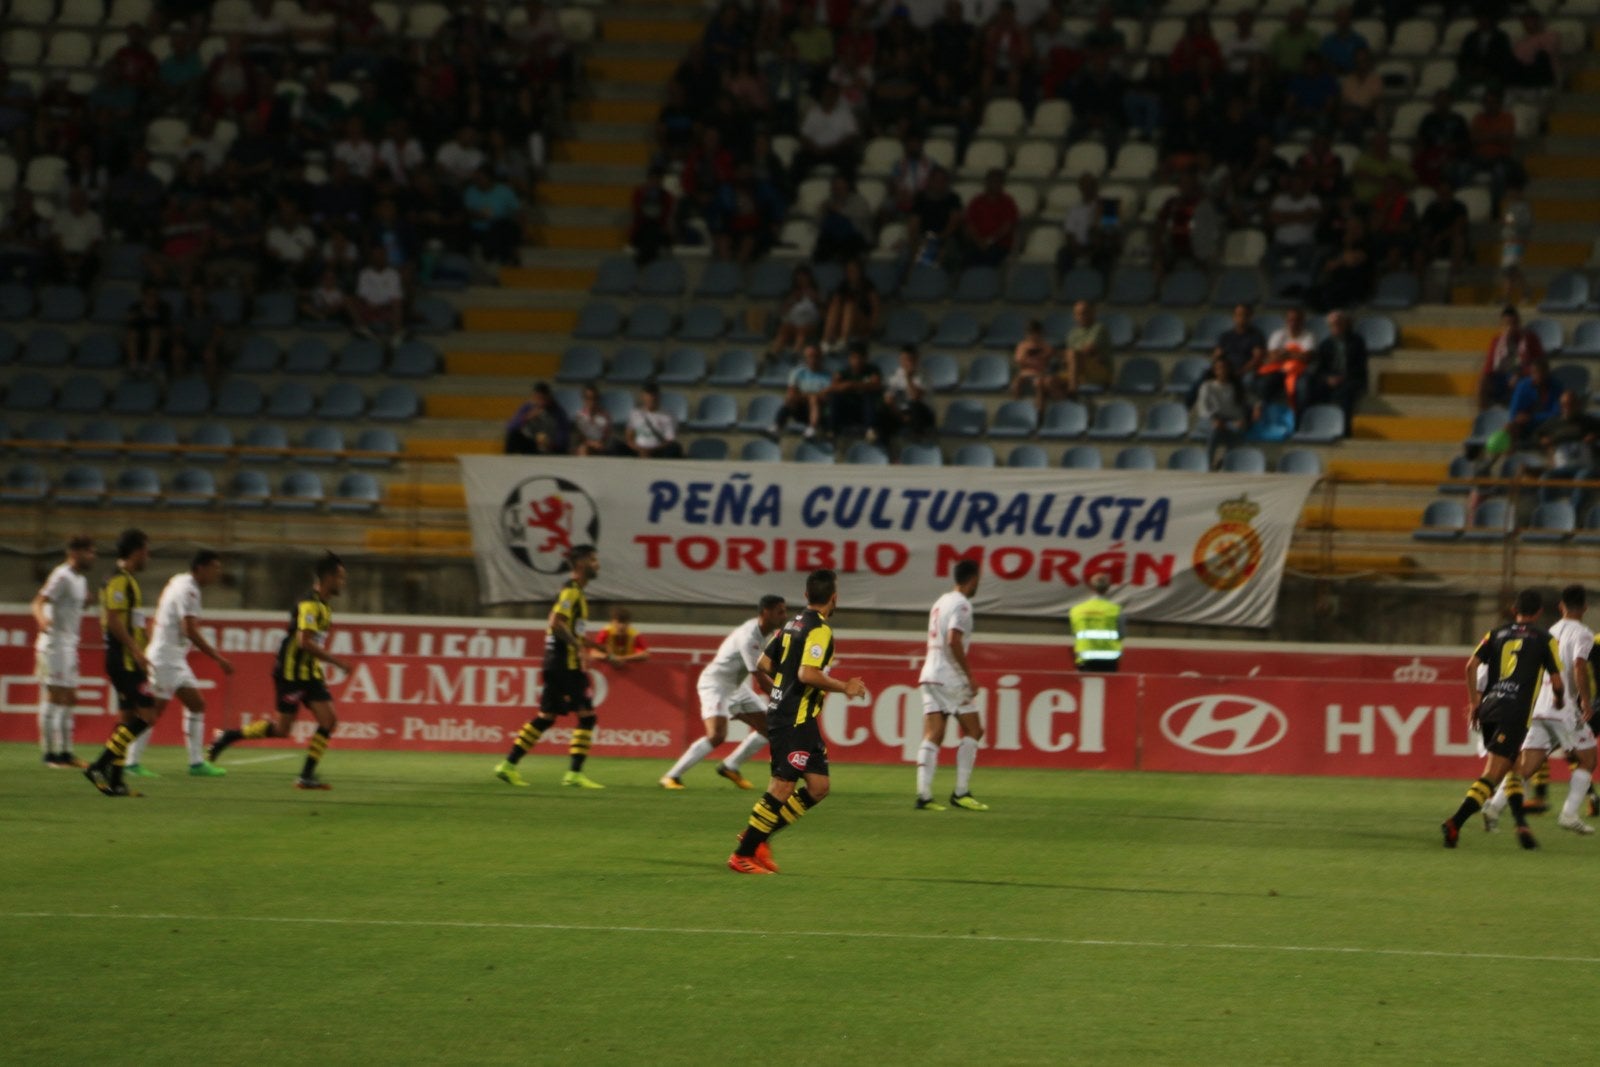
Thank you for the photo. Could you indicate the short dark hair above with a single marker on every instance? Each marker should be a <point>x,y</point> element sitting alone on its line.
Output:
<point>1510,311</point>
<point>79,543</point>
<point>204,558</point>
<point>1529,602</point>
<point>327,566</point>
<point>130,541</point>
<point>821,585</point>
<point>858,348</point>
<point>650,388</point>
<point>966,570</point>
<point>770,601</point>
<point>1575,596</point>
<point>542,388</point>
<point>911,350</point>
<point>578,552</point>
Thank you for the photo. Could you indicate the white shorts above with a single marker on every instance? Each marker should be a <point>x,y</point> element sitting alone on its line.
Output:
<point>727,703</point>
<point>57,665</point>
<point>947,699</point>
<point>165,681</point>
<point>1550,735</point>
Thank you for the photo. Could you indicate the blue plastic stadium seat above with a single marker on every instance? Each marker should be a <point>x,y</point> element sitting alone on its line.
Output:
<point>615,277</point>
<point>1132,286</point>
<point>272,311</point>
<point>1166,421</point>
<point>1207,330</point>
<point>135,396</point>
<point>1237,285</point>
<point>811,452</point>
<point>81,486</point>
<point>940,371</point>
<point>341,402</point>
<point>227,305</point>
<point>187,398</point>
<point>1549,333</point>
<point>719,281</point>
<point>381,442</point>
<point>47,347</point>
<point>632,365</point>
<point>258,354</point>
<point>904,326</point>
<point>921,456</point>
<point>360,358</point>
<point>123,262</point>
<point>1379,332</point>
<point>25,483</point>
<point>974,455</point>
<point>598,321</point>
<point>1185,373</point>
<point>716,412</point>
<point>1064,418</point>
<point>157,439</point>
<point>735,367</point>
<point>761,414</point>
<point>192,487</point>
<point>963,418</point>
<point>1030,284</point>
<point>957,329</point>
<point>1135,458</point>
<point>98,351</point>
<point>96,439</point>
<point>1015,418</point>
<point>702,323</point>
<point>62,303</point>
<point>433,315</point>
<point>710,448</point>
<point>8,348</point>
<point>769,280</point>
<point>308,355</point>
<point>1119,329</point>
<point>977,285</point>
<point>581,363</point>
<point>1114,420</point>
<point>1493,521</point>
<point>1585,340</point>
<point>1397,291</point>
<point>683,366</point>
<point>414,359</point>
<point>1568,292</point>
<point>987,374</point>
<point>16,302</point>
<point>1184,288</point>
<point>884,274</point>
<point>863,454</point>
<point>1320,424</point>
<point>47,434</point>
<point>648,322</point>
<point>1139,376</point>
<point>395,403</point>
<point>1486,424</point>
<point>1189,458</point>
<point>662,277</point>
<point>81,395</point>
<point>924,284</point>
<point>1005,331</point>
<point>291,400</point>
<point>1572,377</point>
<point>135,487</point>
<point>760,451</point>
<point>269,438</point>
<point>357,493</point>
<point>239,398</point>
<point>1031,457</point>
<point>249,489</point>
<point>1081,283</point>
<point>1082,458</point>
<point>1162,332</point>
<point>326,442</point>
<point>1300,461</point>
<point>111,304</point>
<point>299,491</point>
<point>1245,460</point>
<point>210,442</point>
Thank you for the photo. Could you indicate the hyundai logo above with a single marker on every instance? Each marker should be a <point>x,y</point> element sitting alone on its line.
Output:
<point>1223,724</point>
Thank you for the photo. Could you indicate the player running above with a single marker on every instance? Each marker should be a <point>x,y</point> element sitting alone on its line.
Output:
<point>566,686</point>
<point>725,692</point>
<point>1557,723</point>
<point>1518,657</point>
<point>176,630</point>
<point>298,677</point>
<point>796,658</point>
<point>122,622</point>
<point>948,690</point>
<point>58,614</point>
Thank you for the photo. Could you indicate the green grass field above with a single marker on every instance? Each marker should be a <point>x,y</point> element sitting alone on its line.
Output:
<point>423,913</point>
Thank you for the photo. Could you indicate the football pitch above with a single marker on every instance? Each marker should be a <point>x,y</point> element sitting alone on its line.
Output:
<point>423,912</point>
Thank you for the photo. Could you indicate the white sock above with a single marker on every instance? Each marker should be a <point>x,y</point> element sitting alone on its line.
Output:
<point>927,763</point>
<point>691,755</point>
<point>1498,802</point>
<point>65,728</point>
<point>747,748</point>
<point>966,758</point>
<point>194,732</point>
<point>137,746</point>
<point>1576,791</point>
<point>47,726</point>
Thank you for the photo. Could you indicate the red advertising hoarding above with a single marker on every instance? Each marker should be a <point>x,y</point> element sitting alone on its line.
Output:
<point>464,686</point>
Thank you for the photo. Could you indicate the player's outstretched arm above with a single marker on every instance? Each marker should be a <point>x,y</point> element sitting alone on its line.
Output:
<point>191,630</point>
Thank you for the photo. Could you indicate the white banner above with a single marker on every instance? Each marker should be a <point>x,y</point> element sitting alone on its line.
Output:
<point>1178,547</point>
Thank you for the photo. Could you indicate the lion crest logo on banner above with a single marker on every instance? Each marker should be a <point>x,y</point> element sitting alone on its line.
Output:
<point>543,518</point>
<point>1229,554</point>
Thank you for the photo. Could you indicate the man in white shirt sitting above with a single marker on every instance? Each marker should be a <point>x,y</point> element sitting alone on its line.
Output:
<point>460,159</point>
<point>1293,213</point>
<point>380,297</point>
<point>78,233</point>
<point>829,134</point>
<point>652,433</point>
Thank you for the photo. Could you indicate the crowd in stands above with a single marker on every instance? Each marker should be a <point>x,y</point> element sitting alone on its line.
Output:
<point>309,147</point>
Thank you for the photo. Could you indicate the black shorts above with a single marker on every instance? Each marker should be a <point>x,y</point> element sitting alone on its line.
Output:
<point>565,692</point>
<point>293,694</point>
<point>797,751</point>
<point>1504,726</point>
<point>132,688</point>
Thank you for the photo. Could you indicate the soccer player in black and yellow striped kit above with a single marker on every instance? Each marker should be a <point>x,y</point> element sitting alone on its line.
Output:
<point>122,623</point>
<point>564,684</point>
<point>796,659</point>
<point>298,675</point>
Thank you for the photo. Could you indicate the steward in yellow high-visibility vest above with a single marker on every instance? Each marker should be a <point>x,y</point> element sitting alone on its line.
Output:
<point>1097,629</point>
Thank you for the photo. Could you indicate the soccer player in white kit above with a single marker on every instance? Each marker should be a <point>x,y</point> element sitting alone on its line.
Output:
<point>725,692</point>
<point>1561,724</point>
<point>176,629</point>
<point>948,689</point>
<point>58,614</point>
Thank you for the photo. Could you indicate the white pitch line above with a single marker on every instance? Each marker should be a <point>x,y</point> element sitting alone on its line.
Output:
<point>264,759</point>
<point>865,935</point>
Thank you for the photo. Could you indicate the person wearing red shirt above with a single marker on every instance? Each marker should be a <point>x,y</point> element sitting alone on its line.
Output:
<point>991,222</point>
<point>1511,355</point>
<point>1196,42</point>
<point>620,644</point>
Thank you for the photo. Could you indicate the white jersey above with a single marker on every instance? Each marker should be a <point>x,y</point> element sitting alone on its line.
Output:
<point>1575,641</point>
<point>66,592</point>
<point>953,611</point>
<point>169,644</point>
<point>736,659</point>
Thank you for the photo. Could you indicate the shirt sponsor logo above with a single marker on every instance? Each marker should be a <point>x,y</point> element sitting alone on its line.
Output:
<point>1222,724</point>
<point>798,760</point>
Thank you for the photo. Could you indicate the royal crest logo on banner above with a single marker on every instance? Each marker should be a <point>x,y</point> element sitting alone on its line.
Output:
<point>1178,547</point>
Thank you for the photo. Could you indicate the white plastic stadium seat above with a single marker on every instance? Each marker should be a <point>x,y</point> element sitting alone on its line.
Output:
<point>1455,31</point>
<point>21,48</point>
<point>1243,248</point>
<point>1001,118</point>
<point>1476,200</point>
<point>1414,37</point>
<point>982,157</point>
<point>941,150</point>
<point>1085,157</point>
<point>1035,159</point>
<point>881,154</point>
<point>124,12</point>
<point>165,136</point>
<point>1155,199</point>
<point>107,46</point>
<point>892,238</point>
<point>577,25</point>
<point>1436,74</point>
<point>1051,119</point>
<point>1026,197</point>
<point>389,15</point>
<point>1164,33</point>
<point>33,12</point>
<point>80,14</point>
<point>8,175</point>
<point>45,175</point>
<point>1136,162</point>
<point>230,16</point>
<point>1059,198</point>
<point>1407,117</point>
<point>424,20</point>
<point>1042,244</point>
<point>811,195</point>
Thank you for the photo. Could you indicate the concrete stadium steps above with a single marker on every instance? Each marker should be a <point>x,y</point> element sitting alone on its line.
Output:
<point>651,70</point>
<point>1342,562</point>
<point>619,112</point>
<point>1408,428</point>
<point>479,319</point>
<point>584,194</point>
<point>598,239</point>
<point>1428,383</point>
<point>1345,462</point>
<point>430,443</point>
<point>1565,255</point>
<point>545,279</point>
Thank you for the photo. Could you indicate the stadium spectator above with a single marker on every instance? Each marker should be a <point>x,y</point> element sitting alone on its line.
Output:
<point>651,433</point>
<point>234,255</point>
<point>937,218</point>
<point>400,153</point>
<point>650,230</point>
<point>1341,46</point>
<point>854,310</point>
<point>1057,53</point>
<point>990,223</point>
<point>1243,347</point>
<point>1442,230</point>
<point>1006,52</point>
<point>1338,371</point>
<point>853,75</point>
<point>328,301</point>
<point>1099,98</point>
<point>1293,214</point>
<point>1567,440</point>
<point>1289,352</point>
<point>1535,400</point>
<point>1375,166</point>
<point>1494,138</point>
<point>182,73</point>
<point>1394,225</point>
<point>829,134</point>
<point>1537,54</point>
<point>185,237</point>
<point>78,233</point>
<point>538,427</point>
<point>803,396</point>
<point>1345,277</point>
<point>1516,227</point>
<point>459,158</point>
<point>1196,49</point>
<point>147,333</point>
<point>1105,36</point>
<point>1032,359</point>
<point>1219,407</point>
<point>1310,98</point>
<point>380,306</point>
<point>1485,55</point>
<point>856,394</point>
<point>1086,355</point>
<point>396,236</point>
<point>908,177</point>
<point>1444,143</point>
<point>948,102</point>
<point>747,217</point>
<point>355,150</point>
<point>707,167</point>
<point>290,246</point>
<point>234,84</point>
<point>904,408</point>
<point>953,44</point>
<point>592,431</point>
<point>620,643</point>
<point>812,41</point>
<point>133,199</point>
<point>799,315</point>
<point>726,36</point>
<point>197,335</point>
<point>1361,91</point>
<point>1512,352</point>
<point>787,78</point>
<point>1091,230</point>
<point>844,223</point>
<point>1291,45</point>
<point>494,218</point>
<point>1244,45</point>
<point>1173,233</point>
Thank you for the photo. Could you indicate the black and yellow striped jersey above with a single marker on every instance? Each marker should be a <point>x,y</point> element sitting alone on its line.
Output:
<point>311,615</point>
<point>1518,657</point>
<point>805,641</point>
<point>572,606</point>
<point>121,596</point>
